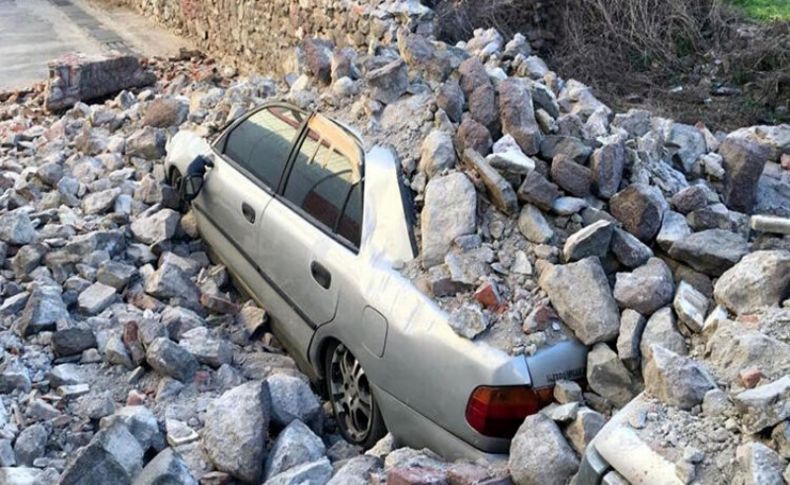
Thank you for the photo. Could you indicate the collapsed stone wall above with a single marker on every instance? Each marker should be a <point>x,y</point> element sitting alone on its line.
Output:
<point>259,34</point>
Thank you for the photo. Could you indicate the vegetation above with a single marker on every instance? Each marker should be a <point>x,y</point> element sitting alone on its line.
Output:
<point>765,9</point>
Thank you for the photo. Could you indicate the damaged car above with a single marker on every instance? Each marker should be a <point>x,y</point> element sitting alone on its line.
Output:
<point>315,228</point>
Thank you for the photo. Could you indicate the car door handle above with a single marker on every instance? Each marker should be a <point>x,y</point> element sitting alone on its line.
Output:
<point>321,275</point>
<point>249,212</point>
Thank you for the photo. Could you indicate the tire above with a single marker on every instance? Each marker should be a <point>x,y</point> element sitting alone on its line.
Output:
<point>174,179</point>
<point>355,409</point>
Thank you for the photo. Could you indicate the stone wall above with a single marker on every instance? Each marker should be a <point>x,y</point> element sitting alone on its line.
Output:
<point>260,34</point>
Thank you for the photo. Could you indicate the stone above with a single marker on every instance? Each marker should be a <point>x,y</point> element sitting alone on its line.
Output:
<point>573,149</point>
<point>607,164</point>
<point>157,227</point>
<point>318,471</point>
<point>115,352</point>
<point>72,341</point>
<point>7,458</point>
<point>482,106</point>
<point>412,475</point>
<point>165,112</point>
<point>765,405</point>
<point>437,153</point>
<point>608,376</point>
<point>517,115</point>
<point>473,75</point>
<point>686,144</point>
<point>539,453</point>
<point>388,82</point>
<point>356,471</point>
<point>468,321</point>
<point>645,289</point>
<point>20,475</point>
<point>732,347</point>
<point>43,310</point>
<point>571,176</point>
<point>450,211</point>
<point>759,465</point>
<point>640,208</point>
<point>661,329</point>
<point>14,376</point>
<point>691,198</point>
<point>501,192</point>
<point>472,134</point>
<point>632,325</point>
<point>691,306</point>
<point>636,122</point>
<point>96,298</point>
<point>568,206</point>
<point>166,467</point>
<point>27,259</point>
<point>16,228</point>
<point>675,379</point>
<point>592,240</point>
<point>673,228</point>
<point>31,444</point>
<point>147,143</point>
<point>511,161</point>
<point>115,274</point>
<point>760,279</point>
<point>628,249</point>
<point>712,252</point>
<point>770,224</point>
<point>593,318</point>
<point>142,424</point>
<point>567,391</point>
<point>584,428</point>
<point>169,359</point>
<point>450,98</point>
<point>537,190</point>
<point>294,446</point>
<point>743,162</point>
<point>207,348</point>
<point>100,202</point>
<point>564,413</point>
<point>112,456</point>
<point>577,98</point>
<point>714,216</point>
<point>292,399</point>
<point>252,318</point>
<point>235,432</point>
<point>170,281</point>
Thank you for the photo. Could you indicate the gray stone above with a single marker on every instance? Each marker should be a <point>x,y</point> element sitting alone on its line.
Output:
<point>14,376</point>
<point>318,472</point>
<point>584,428</point>
<point>72,341</point>
<point>207,348</point>
<point>292,399</point>
<point>96,298</point>
<point>628,249</point>
<point>686,144</point>
<point>743,161</point>
<point>764,406</point>
<point>539,453</point>
<point>607,164</point>
<point>636,122</point>
<point>389,82</point>
<point>141,422</point>
<point>165,112</point>
<point>568,206</point>
<point>437,153</point>
<point>468,320</point>
<point>16,228</point>
<point>608,376</point>
<point>732,348</point>
<point>511,161</point>
<point>295,445</point>
<point>170,281</point>
<point>640,208</point>
<point>518,115</point>
<point>473,74</point>
<point>675,379</point>
<point>115,352</point>
<point>632,325</point>
<point>567,391</point>
<point>673,228</point>
<point>20,475</point>
<point>501,192</point>
<point>712,252</point>
<point>563,413</point>
<point>450,98</point>
<point>169,359</point>
<point>156,227</point>
<point>573,148</point>
<point>112,456</point>
<point>115,274</point>
<point>31,444</point>
<point>166,468</point>
<point>357,471</point>
<point>236,427</point>
<point>759,465</point>
<point>148,143</point>
<point>714,216</point>
<point>691,306</point>
<point>472,134</point>
<point>7,457</point>
<point>592,240</point>
<point>538,191</point>
<point>759,280</point>
<point>27,259</point>
<point>44,308</point>
<point>482,106</point>
<point>645,289</point>
<point>179,320</point>
<point>100,202</point>
<point>661,330</point>
<point>572,177</point>
<point>691,198</point>
<point>449,211</point>
<point>593,318</point>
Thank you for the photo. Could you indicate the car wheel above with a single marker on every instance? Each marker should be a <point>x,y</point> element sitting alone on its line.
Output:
<point>175,181</point>
<point>355,409</point>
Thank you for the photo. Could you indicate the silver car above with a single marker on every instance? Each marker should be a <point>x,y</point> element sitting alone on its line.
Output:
<point>313,228</point>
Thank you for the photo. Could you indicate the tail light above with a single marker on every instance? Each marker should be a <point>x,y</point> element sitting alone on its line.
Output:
<point>499,411</point>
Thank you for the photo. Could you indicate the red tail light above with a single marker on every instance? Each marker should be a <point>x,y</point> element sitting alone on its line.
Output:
<point>499,411</point>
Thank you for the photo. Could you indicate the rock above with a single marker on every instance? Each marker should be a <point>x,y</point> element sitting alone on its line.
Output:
<point>759,465</point>
<point>206,348</point>
<point>295,445</point>
<point>502,194</point>
<point>628,249</point>
<point>534,226</point>
<point>743,161</point>
<point>414,474</point>
<point>636,122</point>
<point>608,377</point>
<point>157,227</point>
<point>27,259</point>
<point>640,208</point>
<point>632,325</point>
<point>14,376</point>
<point>691,306</point>
<point>389,82</point>
<point>16,228</point>
<point>169,359</point>
<point>72,341</point>
<point>31,444</point>
<point>764,406</point>
<point>584,428</point>
<point>44,308</point>
<point>356,471</point>
<point>712,252</point>
<point>251,317</point>
<point>165,112</point>
<point>450,211</point>
<point>472,134</point>
<point>661,330</point>
<point>482,106</point>
<point>714,216</point>
<point>511,161</point>
<point>760,279</point>
<point>317,472</point>
<point>100,202</point>
<point>115,274</point>
<point>115,352</point>
<point>112,456</point>
<point>473,75</point>
<point>539,453</point>
<point>538,191</point>
<point>691,198</point>
<point>166,467</point>
<point>676,380</point>
<point>437,153</point>
<point>96,298</point>
<point>568,206</point>
<point>567,391</point>
<point>607,164</point>
<point>468,321</point>
<point>170,281</point>
<point>141,423</point>
<point>292,399</point>
<point>687,144</point>
<point>147,143</point>
<point>450,98</point>
<point>518,115</point>
<point>592,240</point>
<point>594,318</point>
<point>236,427</point>
<point>732,348</point>
<point>571,147</point>
<point>673,228</point>
<point>318,58</point>
<point>647,288</point>
<point>571,176</point>
<point>770,224</point>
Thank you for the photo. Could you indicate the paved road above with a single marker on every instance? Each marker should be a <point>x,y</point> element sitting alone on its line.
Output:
<point>32,32</point>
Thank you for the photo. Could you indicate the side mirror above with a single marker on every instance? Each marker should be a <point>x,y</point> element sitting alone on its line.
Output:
<point>190,186</point>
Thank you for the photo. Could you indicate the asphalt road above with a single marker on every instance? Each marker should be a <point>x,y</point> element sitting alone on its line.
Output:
<point>32,32</point>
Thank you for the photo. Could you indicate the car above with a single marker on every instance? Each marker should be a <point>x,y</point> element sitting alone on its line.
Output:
<point>314,228</point>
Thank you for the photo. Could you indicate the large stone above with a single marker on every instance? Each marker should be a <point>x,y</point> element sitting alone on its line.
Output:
<point>43,310</point>
<point>584,428</point>
<point>100,202</point>
<point>318,58</point>
<point>592,240</point>
<point>472,134</point>
<point>437,153</point>
<point>207,348</point>
<point>572,177</point>
<point>593,318</point>
<point>691,306</point>
<point>72,341</point>
<point>608,376</point>
<point>112,456</point>
<point>169,359</point>
<point>539,453</point>
<point>27,259</point>
<point>473,75</point>
<point>389,82</point>
<point>640,208</point>
<point>292,399</point>
<point>744,160</point>
<point>295,445</point>
<point>764,406</point>
<point>147,143</point>
<point>759,280</point>
<point>518,115</point>
<point>483,108</point>
<point>450,98</point>
<point>502,194</point>
<point>686,144</point>
<point>733,348</point>
<point>235,431</point>
<point>537,190</point>
<point>632,325</point>
<point>16,228</point>
<point>645,289</point>
<point>166,468</point>
<point>356,471</point>
<point>759,465</point>
<point>157,227</point>
<point>693,197</point>
<point>673,228</point>
<point>170,281</point>
<point>533,225</point>
<point>675,379</point>
<point>165,112</point>
<point>712,252</point>
<point>661,329</point>
<point>31,444</point>
<point>14,376</point>
<point>96,298</point>
<point>317,472</point>
<point>573,149</point>
<point>628,249</point>
<point>450,211</point>
<point>141,423</point>
<point>607,164</point>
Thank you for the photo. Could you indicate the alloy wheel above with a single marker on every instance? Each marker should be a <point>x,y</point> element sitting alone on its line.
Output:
<point>352,399</point>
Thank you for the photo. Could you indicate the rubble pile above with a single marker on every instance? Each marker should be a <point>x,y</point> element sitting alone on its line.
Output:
<point>127,356</point>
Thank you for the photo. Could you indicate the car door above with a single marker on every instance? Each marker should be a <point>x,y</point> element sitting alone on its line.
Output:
<point>314,227</point>
<point>249,162</point>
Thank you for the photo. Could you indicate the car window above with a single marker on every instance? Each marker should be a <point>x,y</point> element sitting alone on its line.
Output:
<point>261,143</point>
<point>325,185</point>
